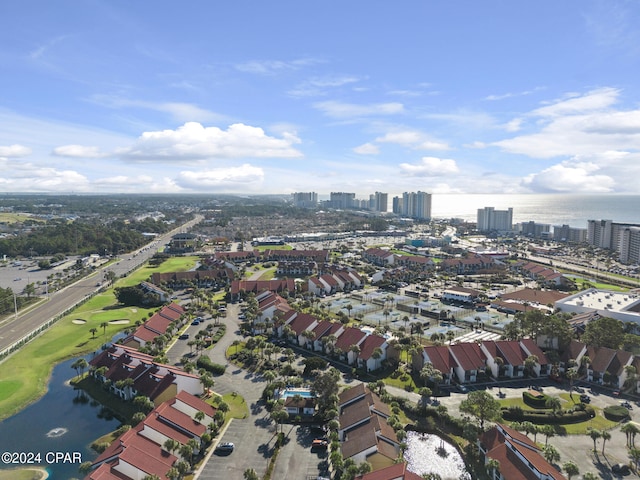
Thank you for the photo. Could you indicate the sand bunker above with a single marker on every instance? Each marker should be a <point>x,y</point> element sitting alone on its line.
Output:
<point>122,321</point>
<point>78,321</point>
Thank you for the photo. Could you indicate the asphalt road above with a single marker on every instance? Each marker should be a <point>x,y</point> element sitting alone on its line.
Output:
<point>12,329</point>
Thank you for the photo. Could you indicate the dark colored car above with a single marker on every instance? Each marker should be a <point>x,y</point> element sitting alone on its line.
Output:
<point>226,447</point>
<point>184,336</point>
<point>621,468</point>
<point>536,388</point>
<point>585,398</point>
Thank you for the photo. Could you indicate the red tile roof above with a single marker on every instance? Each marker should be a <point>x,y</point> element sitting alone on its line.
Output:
<point>469,356</point>
<point>371,342</point>
<point>350,336</point>
<point>397,471</point>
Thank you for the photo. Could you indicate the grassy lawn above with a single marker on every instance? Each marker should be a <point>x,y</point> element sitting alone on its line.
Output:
<point>268,274</point>
<point>238,408</point>
<point>25,374</point>
<point>22,474</point>
<point>6,217</point>
<point>598,422</point>
<point>262,248</point>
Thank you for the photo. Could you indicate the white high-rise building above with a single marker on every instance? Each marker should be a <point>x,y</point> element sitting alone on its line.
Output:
<point>490,219</point>
<point>378,202</point>
<point>305,199</point>
<point>416,205</point>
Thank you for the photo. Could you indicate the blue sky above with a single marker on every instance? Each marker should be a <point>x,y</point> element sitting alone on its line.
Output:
<point>284,96</point>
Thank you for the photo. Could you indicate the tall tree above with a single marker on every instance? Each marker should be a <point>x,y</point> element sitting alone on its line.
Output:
<point>604,332</point>
<point>481,405</point>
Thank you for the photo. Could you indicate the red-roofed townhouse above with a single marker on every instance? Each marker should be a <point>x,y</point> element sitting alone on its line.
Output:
<point>349,337</point>
<point>378,256</point>
<point>511,355</point>
<point>317,287</point>
<point>518,456</point>
<point>373,351</point>
<point>542,366</point>
<point>397,471</point>
<point>324,330</point>
<point>304,322</point>
<point>470,361</point>
<point>441,359</point>
<point>330,283</point>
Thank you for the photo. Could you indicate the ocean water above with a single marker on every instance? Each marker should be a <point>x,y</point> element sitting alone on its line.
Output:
<point>553,209</point>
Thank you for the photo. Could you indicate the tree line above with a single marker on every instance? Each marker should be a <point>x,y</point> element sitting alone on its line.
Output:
<point>82,237</point>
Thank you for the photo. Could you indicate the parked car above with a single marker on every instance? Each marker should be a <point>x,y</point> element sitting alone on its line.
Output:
<point>626,404</point>
<point>579,389</point>
<point>585,398</point>
<point>537,388</point>
<point>621,468</point>
<point>462,389</point>
<point>184,336</point>
<point>319,443</point>
<point>195,322</point>
<point>226,447</point>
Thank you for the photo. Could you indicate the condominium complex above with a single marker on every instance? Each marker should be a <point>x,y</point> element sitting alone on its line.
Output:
<point>342,200</point>
<point>565,233</point>
<point>378,202</point>
<point>620,237</point>
<point>305,199</point>
<point>490,220</point>
<point>414,205</point>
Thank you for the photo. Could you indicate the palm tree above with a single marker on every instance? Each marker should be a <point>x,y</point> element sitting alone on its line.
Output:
<point>493,467</point>
<point>550,454</point>
<point>171,445</point>
<point>104,326</point>
<point>79,365</point>
<point>570,469</point>
<point>590,476</point>
<point>629,429</point>
<point>595,435</point>
<point>250,474</point>
<point>376,354</point>
<point>93,332</point>
<point>554,404</point>
<point>548,431</point>
<point>605,436</point>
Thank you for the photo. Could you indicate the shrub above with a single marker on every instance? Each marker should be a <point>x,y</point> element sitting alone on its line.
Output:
<point>209,366</point>
<point>535,401</point>
<point>616,413</point>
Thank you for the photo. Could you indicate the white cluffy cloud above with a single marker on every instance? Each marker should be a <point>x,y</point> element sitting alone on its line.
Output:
<point>79,151</point>
<point>412,138</point>
<point>14,151</point>
<point>568,178</point>
<point>193,141</point>
<point>336,109</point>
<point>430,167</point>
<point>367,149</point>
<point>581,125</point>
<point>244,176</point>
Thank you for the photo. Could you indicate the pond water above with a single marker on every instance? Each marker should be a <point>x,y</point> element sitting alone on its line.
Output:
<point>427,453</point>
<point>64,420</point>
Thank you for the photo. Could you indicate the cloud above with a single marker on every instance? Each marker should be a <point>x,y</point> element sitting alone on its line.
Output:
<point>430,167</point>
<point>567,178</point>
<point>224,179</point>
<point>273,67</point>
<point>412,138</point>
<point>581,125</point>
<point>594,100</point>
<point>318,86</point>
<point>32,178</point>
<point>180,111</point>
<point>504,96</point>
<point>367,149</point>
<point>193,141</point>
<point>14,151</point>
<point>79,151</point>
<point>346,110</point>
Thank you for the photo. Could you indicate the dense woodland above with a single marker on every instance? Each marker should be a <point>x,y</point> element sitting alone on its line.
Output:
<point>82,237</point>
